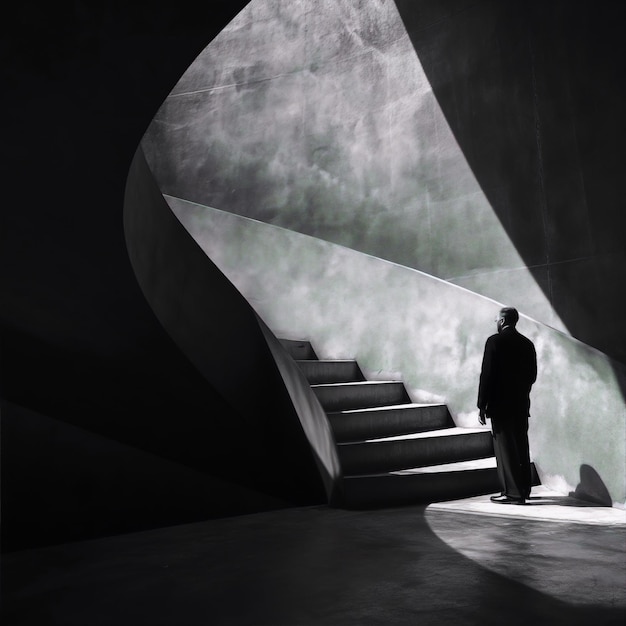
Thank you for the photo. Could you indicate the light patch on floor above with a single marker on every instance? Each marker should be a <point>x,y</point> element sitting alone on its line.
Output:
<point>544,505</point>
<point>580,562</point>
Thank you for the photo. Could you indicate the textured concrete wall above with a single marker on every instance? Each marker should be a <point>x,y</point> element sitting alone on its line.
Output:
<point>441,136</point>
<point>401,323</point>
<point>417,136</point>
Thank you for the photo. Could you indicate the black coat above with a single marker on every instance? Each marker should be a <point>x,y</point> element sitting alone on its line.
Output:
<point>508,372</point>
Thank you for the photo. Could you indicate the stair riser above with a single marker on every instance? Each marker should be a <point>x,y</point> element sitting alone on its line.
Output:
<point>387,423</point>
<point>386,491</point>
<point>388,456</point>
<point>298,349</point>
<point>344,398</point>
<point>389,490</point>
<point>318,372</point>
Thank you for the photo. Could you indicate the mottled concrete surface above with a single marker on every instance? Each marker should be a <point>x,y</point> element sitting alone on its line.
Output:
<point>328,567</point>
<point>334,131</point>
<point>401,323</point>
<point>393,130</point>
<point>439,136</point>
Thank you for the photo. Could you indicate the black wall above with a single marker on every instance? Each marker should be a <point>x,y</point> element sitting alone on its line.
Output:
<point>533,91</point>
<point>80,345</point>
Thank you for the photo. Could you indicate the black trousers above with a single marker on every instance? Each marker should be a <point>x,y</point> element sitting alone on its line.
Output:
<point>510,443</point>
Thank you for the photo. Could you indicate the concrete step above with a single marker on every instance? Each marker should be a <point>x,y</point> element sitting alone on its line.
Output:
<point>448,445</point>
<point>299,349</point>
<point>450,481</point>
<point>376,422</point>
<point>360,395</point>
<point>320,372</point>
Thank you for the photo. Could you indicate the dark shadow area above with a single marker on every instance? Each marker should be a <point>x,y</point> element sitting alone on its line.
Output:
<point>64,483</point>
<point>533,92</point>
<point>224,338</point>
<point>80,346</point>
<point>316,566</point>
<point>591,487</point>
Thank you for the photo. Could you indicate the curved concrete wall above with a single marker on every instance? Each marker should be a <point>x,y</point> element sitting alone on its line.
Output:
<point>444,140</point>
<point>401,323</point>
<point>334,131</point>
<point>319,117</point>
<point>277,419</point>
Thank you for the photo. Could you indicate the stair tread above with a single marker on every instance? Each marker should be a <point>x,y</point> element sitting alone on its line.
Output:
<point>325,361</point>
<point>488,462</point>
<point>371,409</point>
<point>362,383</point>
<point>485,463</point>
<point>459,466</point>
<point>454,431</point>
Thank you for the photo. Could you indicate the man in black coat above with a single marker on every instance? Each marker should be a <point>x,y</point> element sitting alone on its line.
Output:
<point>508,372</point>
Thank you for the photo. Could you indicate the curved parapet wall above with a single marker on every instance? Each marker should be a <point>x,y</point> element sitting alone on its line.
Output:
<point>399,322</point>
<point>220,333</point>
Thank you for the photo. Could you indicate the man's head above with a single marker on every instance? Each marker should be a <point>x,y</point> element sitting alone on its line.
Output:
<point>507,316</point>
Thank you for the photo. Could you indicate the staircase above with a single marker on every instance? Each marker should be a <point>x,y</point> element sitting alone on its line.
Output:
<point>393,451</point>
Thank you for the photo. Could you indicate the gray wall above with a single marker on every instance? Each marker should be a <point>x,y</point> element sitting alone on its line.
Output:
<point>474,141</point>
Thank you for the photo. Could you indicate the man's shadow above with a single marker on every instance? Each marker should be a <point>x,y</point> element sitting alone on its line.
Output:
<point>590,491</point>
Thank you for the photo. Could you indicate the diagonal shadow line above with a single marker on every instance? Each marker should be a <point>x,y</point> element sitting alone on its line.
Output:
<point>534,544</point>
<point>444,36</point>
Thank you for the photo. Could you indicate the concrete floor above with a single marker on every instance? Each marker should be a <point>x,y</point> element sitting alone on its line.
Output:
<point>555,561</point>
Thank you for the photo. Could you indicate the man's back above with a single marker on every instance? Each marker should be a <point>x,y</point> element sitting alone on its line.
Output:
<point>508,372</point>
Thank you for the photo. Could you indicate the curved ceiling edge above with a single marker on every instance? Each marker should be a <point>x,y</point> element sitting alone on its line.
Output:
<point>221,334</point>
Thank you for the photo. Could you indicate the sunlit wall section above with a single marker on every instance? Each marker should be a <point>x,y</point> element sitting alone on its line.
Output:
<point>317,116</point>
<point>346,211</point>
<point>401,323</point>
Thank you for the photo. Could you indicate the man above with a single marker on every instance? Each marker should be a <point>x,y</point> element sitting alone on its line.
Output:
<point>508,372</point>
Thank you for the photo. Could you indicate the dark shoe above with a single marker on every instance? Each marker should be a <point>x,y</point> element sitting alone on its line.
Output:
<point>507,500</point>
